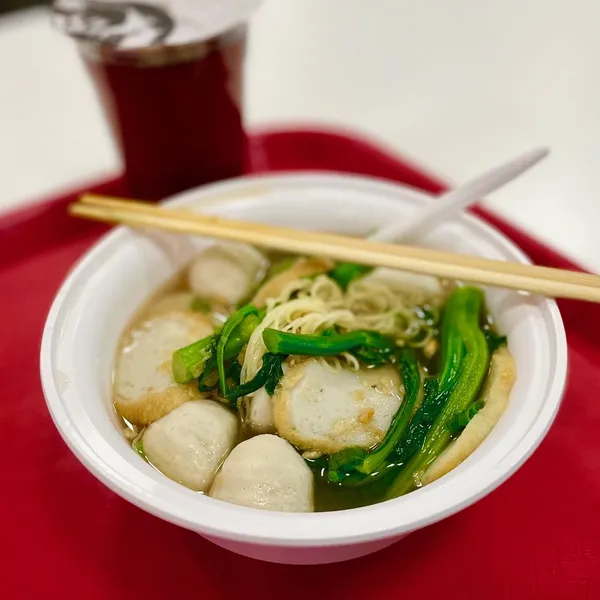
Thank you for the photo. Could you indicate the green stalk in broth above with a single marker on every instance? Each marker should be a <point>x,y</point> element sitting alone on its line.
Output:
<point>421,422</point>
<point>139,448</point>
<point>461,420</point>
<point>189,362</point>
<point>466,356</point>
<point>436,394</point>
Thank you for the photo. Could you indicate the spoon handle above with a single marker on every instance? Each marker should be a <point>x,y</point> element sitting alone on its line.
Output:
<point>442,209</point>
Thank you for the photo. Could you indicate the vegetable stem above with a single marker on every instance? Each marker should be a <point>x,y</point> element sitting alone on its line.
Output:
<point>187,363</point>
<point>413,386</point>
<point>234,336</point>
<point>191,361</point>
<point>283,342</point>
<point>352,464</point>
<point>466,357</point>
<point>458,422</point>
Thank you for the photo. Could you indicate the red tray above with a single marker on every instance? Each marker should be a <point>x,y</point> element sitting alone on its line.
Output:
<point>64,533</point>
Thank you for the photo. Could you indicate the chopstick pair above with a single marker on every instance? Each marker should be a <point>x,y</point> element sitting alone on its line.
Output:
<point>546,281</point>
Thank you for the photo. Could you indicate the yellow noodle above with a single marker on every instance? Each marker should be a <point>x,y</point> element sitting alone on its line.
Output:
<point>308,306</point>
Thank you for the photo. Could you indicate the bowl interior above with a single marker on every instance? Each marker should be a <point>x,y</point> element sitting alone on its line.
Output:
<point>107,287</point>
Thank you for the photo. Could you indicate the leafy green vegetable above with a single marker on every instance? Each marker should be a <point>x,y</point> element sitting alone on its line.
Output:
<point>209,378</point>
<point>194,360</point>
<point>421,422</point>
<point>338,471</point>
<point>139,448</point>
<point>242,331</point>
<point>343,463</point>
<point>357,479</point>
<point>374,357</point>
<point>188,363</point>
<point>207,359</point>
<point>466,362</point>
<point>268,376</point>
<point>275,372</point>
<point>371,346</point>
<point>233,372</point>
<point>200,305</point>
<point>494,340</point>
<point>428,314</point>
<point>317,465</point>
<point>458,422</point>
<point>437,390</point>
<point>344,273</point>
<point>234,336</point>
<point>413,386</point>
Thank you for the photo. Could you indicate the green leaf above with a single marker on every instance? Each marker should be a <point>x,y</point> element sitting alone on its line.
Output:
<point>467,357</point>
<point>343,463</point>
<point>268,376</point>
<point>275,373</point>
<point>373,357</point>
<point>422,420</point>
<point>493,339</point>
<point>233,371</point>
<point>458,422</point>
<point>344,273</point>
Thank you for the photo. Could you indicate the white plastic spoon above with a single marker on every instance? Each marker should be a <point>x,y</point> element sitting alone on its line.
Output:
<point>411,228</point>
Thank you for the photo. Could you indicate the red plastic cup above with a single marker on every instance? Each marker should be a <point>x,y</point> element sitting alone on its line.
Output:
<point>176,111</point>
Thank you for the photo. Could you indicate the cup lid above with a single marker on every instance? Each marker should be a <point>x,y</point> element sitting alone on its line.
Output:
<point>149,22</point>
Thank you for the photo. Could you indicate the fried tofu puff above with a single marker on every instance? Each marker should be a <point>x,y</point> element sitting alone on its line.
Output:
<point>495,395</point>
<point>144,387</point>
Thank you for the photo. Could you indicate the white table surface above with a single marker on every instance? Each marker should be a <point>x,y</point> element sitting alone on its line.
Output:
<point>457,86</point>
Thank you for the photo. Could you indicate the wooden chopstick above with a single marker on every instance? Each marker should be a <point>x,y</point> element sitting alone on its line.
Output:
<point>539,280</point>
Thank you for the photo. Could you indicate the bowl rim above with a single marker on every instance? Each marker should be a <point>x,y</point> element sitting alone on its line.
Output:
<point>227,521</point>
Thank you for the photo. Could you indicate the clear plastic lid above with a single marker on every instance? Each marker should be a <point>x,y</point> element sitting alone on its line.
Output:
<point>129,25</point>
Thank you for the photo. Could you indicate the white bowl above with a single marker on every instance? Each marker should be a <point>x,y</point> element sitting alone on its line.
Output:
<point>104,290</point>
